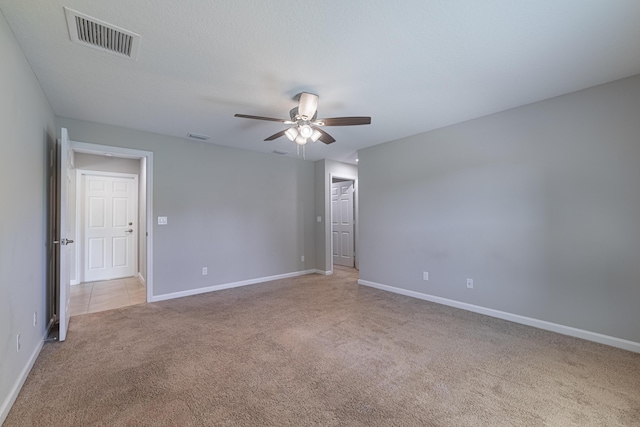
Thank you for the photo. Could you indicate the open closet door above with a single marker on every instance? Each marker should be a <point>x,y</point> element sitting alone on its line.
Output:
<point>64,282</point>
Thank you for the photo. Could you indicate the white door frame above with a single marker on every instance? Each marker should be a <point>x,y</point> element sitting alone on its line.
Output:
<point>146,158</point>
<point>329,240</point>
<point>80,211</point>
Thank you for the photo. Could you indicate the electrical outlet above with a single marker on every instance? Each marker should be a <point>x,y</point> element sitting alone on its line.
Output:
<point>318,219</point>
<point>302,258</point>
<point>425,275</point>
<point>18,341</point>
<point>162,220</point>
<point>205,271</point>
<point>35,318</point>
<point>470,283</point>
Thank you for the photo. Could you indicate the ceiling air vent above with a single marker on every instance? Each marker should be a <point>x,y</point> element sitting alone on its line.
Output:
<point>102,36</point>
<point>198,136</point>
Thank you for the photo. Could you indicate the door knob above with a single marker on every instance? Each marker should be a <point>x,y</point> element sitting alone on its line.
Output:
<point>63,241</point>
<point>129,230</point>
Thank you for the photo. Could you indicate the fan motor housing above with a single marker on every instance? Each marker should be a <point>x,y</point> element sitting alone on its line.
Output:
<point>294,115</point>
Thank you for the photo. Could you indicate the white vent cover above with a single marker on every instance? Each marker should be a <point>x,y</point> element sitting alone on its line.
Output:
<point>102,36</point>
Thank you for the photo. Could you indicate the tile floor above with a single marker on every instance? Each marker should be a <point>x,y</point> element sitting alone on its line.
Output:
<point>100,296</point>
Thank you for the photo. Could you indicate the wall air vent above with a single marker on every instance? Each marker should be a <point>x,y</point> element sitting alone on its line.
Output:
<point>198,136</point>
<point>102,36</point>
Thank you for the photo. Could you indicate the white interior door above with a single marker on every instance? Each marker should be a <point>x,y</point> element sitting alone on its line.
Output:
<point>110,219</point>
<point>342,223</point>
<point>65,160</point>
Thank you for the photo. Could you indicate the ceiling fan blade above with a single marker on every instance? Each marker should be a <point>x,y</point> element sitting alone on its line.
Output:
<point>326,138</point>
<point>270,119</point>
<point>307,105</point>
<point>276,135</point>
<point>346,121</point>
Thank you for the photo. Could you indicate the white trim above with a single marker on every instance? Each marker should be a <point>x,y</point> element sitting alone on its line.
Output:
<point>190,292</point>
<point>74,282</point>
<point>17,386</point>
<point>78,234</point>
<point>145,156</point>
<point>324,273</point>
<point>536,323</point>
<point>141,278</point>
<point>92,172</point>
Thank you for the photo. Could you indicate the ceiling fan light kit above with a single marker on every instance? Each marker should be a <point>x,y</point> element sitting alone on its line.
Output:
<point>291,133</point>
<point>305,131</point>
<point>307,126</point>
<point>315,135</point>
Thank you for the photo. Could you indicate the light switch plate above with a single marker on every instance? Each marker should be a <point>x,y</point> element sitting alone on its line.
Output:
<point>162,220</point>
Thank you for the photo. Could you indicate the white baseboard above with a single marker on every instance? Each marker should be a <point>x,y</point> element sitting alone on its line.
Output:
<point>144,282</point>
<point>74,282</point>
<point>190,292</point>
<point>324,273</point>
<point>536,323</point>
<point>15,390</point>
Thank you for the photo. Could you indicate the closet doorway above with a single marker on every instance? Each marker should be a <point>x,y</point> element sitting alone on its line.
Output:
<point>343,221</point>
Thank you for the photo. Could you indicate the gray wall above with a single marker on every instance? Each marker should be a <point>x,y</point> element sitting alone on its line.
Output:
<point>324,169</point>
<point>540,205</point>
<point>106,164</point>
<point>242,214</point>
<point>27,124</point>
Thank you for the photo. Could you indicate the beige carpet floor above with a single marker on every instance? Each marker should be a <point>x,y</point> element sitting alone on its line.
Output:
<point>318,350</point>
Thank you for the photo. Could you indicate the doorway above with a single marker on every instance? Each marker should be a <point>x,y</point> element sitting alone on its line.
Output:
<point>343,221</point>
<point>63,162</point>
<point>106,269</point>
<point>112,268</point>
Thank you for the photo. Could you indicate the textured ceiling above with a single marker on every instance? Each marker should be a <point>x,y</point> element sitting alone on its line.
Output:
<point>412,65</point>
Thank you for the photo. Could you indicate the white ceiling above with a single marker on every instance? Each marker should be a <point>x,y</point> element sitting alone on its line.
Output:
<point>412,65</point>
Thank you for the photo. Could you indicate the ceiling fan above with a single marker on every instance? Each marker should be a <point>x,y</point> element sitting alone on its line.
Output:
<point>306,125</point>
